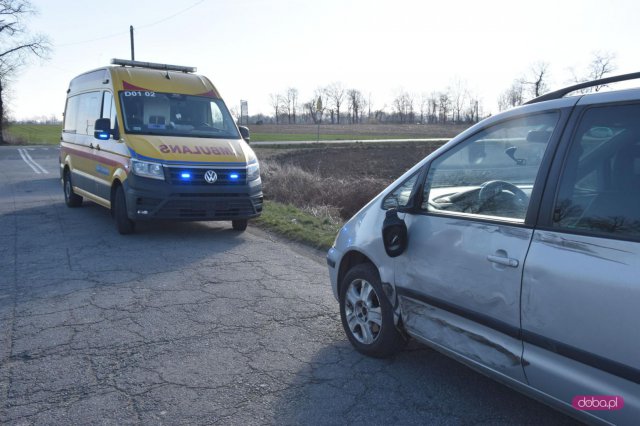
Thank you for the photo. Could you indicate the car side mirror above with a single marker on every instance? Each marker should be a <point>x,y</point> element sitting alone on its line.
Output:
<point>244,132</point>
<point>394,234</point>
<point>511,152</point>
<point>102,129</point>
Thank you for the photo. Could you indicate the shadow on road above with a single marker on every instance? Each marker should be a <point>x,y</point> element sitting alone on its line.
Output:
<point>419,386</point>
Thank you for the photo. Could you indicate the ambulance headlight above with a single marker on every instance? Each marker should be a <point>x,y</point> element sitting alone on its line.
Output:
<point>147,169</point>
<point>253,171</point>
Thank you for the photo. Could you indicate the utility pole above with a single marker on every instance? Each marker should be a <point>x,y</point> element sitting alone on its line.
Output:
<point>133,56</point>
<point>318,118</point>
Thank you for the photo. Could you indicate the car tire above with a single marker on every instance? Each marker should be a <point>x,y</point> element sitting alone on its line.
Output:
<point>71,199</point>
<point>123,223</point>
<point>239,224</point>
<point>367,314</point>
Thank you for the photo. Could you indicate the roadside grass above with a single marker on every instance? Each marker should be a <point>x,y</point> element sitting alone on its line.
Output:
<point>309,137</point>
<point>298,225</point>
<point>33,134</point>
<point>49,134</point>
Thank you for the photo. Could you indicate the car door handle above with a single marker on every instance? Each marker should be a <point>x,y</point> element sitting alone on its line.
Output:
<point>505,261</point>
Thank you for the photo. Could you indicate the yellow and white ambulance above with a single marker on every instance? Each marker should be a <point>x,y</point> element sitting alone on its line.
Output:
<point>156,141</point>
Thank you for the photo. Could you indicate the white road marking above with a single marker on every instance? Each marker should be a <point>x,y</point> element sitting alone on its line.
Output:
<point>31,162</point>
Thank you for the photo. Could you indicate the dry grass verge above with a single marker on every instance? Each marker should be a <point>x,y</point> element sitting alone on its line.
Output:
<point>320,196</point>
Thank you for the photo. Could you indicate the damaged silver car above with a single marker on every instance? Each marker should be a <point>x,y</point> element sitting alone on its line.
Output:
<point>515,249</point>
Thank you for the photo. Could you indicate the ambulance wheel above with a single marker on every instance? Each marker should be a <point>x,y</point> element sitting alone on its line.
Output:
<point>71,199</point>
<point>239,224</point>
<point>123,223</point>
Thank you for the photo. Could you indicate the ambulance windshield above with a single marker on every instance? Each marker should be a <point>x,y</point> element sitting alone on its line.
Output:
<point>172,114</point>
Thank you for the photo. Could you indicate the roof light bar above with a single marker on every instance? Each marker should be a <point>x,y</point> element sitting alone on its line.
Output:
<point>152,65</point>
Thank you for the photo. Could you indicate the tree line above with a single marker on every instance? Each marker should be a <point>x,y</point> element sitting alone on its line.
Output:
<point>337,104</point>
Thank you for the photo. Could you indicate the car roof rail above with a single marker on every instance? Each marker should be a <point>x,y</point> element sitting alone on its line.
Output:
<point>602,81</point>
<point>153,65</point>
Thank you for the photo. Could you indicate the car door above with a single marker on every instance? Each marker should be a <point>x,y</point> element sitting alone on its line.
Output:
<point>581,285</point>
<point>459,280</point>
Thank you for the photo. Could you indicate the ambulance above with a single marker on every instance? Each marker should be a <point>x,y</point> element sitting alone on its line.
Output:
<point>156,141</point>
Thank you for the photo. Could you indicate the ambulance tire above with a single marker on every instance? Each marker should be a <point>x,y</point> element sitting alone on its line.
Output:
<point>239,224</point>
<point>123,223</point>
<point>71,199</point>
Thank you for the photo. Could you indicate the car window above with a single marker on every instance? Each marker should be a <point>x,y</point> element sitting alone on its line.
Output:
<point>400,196</point>
<point>601,177</point>
<point>492,173</point>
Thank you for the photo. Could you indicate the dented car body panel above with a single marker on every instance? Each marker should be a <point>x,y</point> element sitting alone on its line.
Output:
<point>523,251</point>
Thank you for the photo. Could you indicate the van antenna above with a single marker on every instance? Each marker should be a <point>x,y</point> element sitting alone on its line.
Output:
<point>133,56</point>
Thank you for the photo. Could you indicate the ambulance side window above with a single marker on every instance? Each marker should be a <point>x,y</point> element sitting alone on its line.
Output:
<point>88,111</point>
<point>71,115</point>
<point>109,108</point>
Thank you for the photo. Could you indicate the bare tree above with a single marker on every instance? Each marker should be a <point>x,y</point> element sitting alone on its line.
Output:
<point>511,97</point>
<point>285,106</point>
<point>433,107</point>
<point>537,79</point>
<point>458,92</point>
<point>275,100</point>
<point>289,102</point>
<point>603,63</point>
<point>424,106</point>
<point>357,104</point>
<point>444,105</point>
<point>472,114</point>
<point>316,106</point>
<point>335,94</point>
<point>16,45</point>
<point>403,105</point>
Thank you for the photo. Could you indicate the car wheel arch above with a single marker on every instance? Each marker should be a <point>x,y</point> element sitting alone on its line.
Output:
<point>349,260</point>
<point>354,258</point>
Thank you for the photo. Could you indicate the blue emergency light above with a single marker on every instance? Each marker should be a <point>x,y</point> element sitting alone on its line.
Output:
<point>234,176</point>
<point>185,176</point>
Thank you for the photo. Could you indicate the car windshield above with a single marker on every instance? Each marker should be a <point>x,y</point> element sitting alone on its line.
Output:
<point>174,114</point>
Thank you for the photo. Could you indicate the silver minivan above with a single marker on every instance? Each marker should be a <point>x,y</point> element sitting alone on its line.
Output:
<point>515,249</point>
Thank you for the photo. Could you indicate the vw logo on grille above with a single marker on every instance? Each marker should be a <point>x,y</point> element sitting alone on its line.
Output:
<point>210,176</point>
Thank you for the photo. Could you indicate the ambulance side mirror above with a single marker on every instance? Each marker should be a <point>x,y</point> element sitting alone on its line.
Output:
<point>244,132</point>
<point>102,129</point>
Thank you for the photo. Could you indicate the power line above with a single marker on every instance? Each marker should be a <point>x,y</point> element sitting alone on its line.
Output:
<point>137,28</point>
<point>171,16</point>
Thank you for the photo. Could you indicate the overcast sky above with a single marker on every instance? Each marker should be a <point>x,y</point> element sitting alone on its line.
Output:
<point>251,48</point>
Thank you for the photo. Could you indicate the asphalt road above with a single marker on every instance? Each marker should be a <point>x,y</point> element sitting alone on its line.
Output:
<point>192,323</point>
